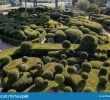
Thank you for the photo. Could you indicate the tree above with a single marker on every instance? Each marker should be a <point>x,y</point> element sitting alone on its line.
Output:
<point>34,5</point>
<point>73,3</point>
<point>56,5</point>
<point>82,4</point>
<point>25,5</point>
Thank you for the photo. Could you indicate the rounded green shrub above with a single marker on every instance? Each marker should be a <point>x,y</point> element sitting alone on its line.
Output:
<point>47,59</point>
<point>38,67</point>
<point>88,43</point>
<point>25,46</point>
<point>103,80</point>
<point>88,89</point>
<point>59,68</point>
<point>59,78</point>
<point>38,81</point>
<point>81,27</point>
<point>86,67</point>
<point>12,90</point>
<point>66,44</point>
<point>103,58</point>
<point>103,71</point>
<point>73,35</point>
<point>48,75</point>
<point>23,67</point>
<point>7,59</point>
<point>84,55</point>
<point>106,63</point>
<point>13,75</point>
<point>68,89</point>
<point>25,59</point>
<point>64,62</point>
<point>86,30</point>
<point>71,61</point>
<point>63,56</point>
<point>71,69</point>
<point>84,75</point>
<point>50,35</point>
<point>60,36</point>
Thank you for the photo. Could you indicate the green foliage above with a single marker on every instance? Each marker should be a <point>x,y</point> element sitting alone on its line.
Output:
<point>44,19</point>
<point>47,59</point>
<point>88,89</point>
<point>64,62</point>
<point>71,69</point>
<point>103,80</point>
<point>7,60</point>
<point>59,68</point>
<point>103,71</point>
<point>25,59</point>
<point>39,81</point>
<point>85,30</point>
<point>25,46</point>
<point>86,67</point>
<point>103,58</point>
<point>13,75</point>
<point>63,56</point>
<point>106,63</point>
<point>60,36</point>
<point>50,35</point>
<point>93,8</point>
<point>84,75</point>
<point>88,43</point>
<point>66,44</point>
<point>23,67</point>
<point>12,90</point>
<point>73,35</point>
<point>84,55</point>
<point>59,78</point>
<point>24,82</point>
<point>38,67</point>
<point>68,89</point>
<point>48,75</point>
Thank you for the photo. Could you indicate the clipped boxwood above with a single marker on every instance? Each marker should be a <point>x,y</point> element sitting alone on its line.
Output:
<point>73,35</point>
<point>60,36</point>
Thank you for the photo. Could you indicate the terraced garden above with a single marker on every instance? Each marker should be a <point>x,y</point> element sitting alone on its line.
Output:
<point>55,52</point>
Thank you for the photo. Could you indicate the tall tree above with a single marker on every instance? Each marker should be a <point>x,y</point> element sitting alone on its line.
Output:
<point>56,5</point>
<point>34,5</point>
<point>73,3</point>
<point>25,5</point>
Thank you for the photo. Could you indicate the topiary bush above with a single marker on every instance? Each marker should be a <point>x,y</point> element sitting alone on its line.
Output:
<point>106,63</point>
<point>38,82</point>
<point>59,68</point>
<point>88,89</point>
<point>12,90</point>
<point>47,59</point>
<point>71,61</point>
<point>86,30</point>
<point>103,71</point>
<point>86,67</point>
<point>23,67</point>
<point>25,46</point>
<point>64,62</point>
<point>48,75</point>
<point>60,36</point>
<point>103,80</point>
<point>84,55</point>
<point>38,67</point>
<point>71,69</point>
<point>59,78</point>
<point>66,44</point>
<point>88,43</point>
<point>84,75</point>
<point>7,59</point>
<point>13,75</point>
<point>25,59</point>
<point>63,56</point>
<point>103,58</point>
<point>68,89</point>
<point>73,35</point>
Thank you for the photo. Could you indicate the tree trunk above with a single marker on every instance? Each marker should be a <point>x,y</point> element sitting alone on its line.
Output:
<point>25,5</point>
<point>56,5</point>
<point>34,5</point>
